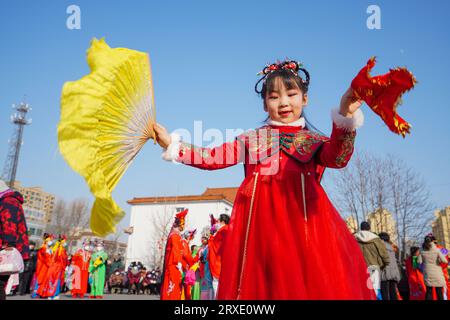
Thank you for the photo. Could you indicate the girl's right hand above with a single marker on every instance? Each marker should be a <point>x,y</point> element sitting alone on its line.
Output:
<point>162,136</point>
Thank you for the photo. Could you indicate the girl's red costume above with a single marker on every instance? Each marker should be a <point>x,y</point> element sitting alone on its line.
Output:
<point>285,239</point>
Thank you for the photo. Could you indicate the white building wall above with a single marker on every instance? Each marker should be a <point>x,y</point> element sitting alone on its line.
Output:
<point>140,242</point>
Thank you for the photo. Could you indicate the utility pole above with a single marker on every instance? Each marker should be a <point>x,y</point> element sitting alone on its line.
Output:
<point>12,159</point>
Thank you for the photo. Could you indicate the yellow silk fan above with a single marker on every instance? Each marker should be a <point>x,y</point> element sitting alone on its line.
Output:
<point>106,118</point>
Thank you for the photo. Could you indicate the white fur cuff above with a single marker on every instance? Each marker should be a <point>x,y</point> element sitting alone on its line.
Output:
<point>172,151</point>
<point>348,124</point>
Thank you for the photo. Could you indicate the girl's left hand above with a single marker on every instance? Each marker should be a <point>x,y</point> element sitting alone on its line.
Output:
<point>349,103</point>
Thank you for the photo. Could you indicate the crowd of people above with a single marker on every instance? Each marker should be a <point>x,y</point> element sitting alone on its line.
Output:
<point>50,271</point>
<point>135,280</point>
<point>423,275</point>
<point>192,272</point>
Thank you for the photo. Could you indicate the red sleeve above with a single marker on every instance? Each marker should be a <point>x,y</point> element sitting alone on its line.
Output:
<point>336,152</point>
<point>176,250</point>
<point>226,155</point>
<point>187,255</point>
<point>45,258</point>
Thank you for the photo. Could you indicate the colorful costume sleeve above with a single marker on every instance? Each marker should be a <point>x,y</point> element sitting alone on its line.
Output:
<point>176,250</point>
<point>383,94</point>
<point>188,259</point>
<point>337,151</point>
<point>226,155</point>
<point>215,247</point>
<point>91,265</point>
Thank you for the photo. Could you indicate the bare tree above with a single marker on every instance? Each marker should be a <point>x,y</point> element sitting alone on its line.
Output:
<point>115,239</point>
<point>410,204</point>
<point>354,193</point>
<point>162,223</point>
<point>70,218</point>
<point>372,185</point>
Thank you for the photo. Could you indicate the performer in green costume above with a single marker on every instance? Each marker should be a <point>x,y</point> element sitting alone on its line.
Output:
<point>97,269</point>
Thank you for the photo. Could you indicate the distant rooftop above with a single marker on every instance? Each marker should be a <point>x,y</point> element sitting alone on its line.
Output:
<point>210,194</point>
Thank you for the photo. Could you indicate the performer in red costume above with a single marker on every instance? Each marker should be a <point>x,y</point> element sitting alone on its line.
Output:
<point>216,245</point>
<point>80,261</point>
<point>416,283</point>
<point>57,260</point>
<point>285,239</point>
<point>173,270</point>
<point>42,264</point>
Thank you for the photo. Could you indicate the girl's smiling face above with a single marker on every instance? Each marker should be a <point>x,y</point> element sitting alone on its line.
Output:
<point>284,104</point>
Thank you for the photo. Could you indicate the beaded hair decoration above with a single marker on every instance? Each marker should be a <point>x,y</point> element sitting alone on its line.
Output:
<point>291,65</point>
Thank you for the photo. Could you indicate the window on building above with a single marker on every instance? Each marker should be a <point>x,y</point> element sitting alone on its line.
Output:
<point>39,232</point>
<point>179,209</point>
<point>31,231</point>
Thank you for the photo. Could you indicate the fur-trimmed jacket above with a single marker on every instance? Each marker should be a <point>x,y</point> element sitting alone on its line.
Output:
<point>373,249</point>
<point>13,227</point>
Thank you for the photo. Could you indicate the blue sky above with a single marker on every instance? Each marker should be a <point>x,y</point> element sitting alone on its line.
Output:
<point>205,56</point>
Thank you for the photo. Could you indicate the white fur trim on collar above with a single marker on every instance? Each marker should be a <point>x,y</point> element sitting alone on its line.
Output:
<point>348,124</point>
<point>297,123</point>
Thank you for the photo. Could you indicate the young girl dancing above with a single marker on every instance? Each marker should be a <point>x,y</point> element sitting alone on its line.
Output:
<point>285,239</point>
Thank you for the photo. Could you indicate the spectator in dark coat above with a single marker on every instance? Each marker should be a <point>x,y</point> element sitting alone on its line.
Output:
<point>29,268</point>
<point>13,228</point>
<point>390,275</point>
<point>374,252</point>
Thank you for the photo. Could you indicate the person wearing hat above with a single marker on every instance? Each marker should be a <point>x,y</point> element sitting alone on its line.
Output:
<point>97,269</point>
<point>173,270</point>
<point>81,260</point>
<point>56,262</point>
<point>13,227</point>
<point>374,252</point>
<point>44,255</point>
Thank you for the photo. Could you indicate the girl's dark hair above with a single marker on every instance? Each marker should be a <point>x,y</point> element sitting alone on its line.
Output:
<point>427,243</point>
<point>413,250</point>
<point>290,81</point>
<point>384,236</point>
